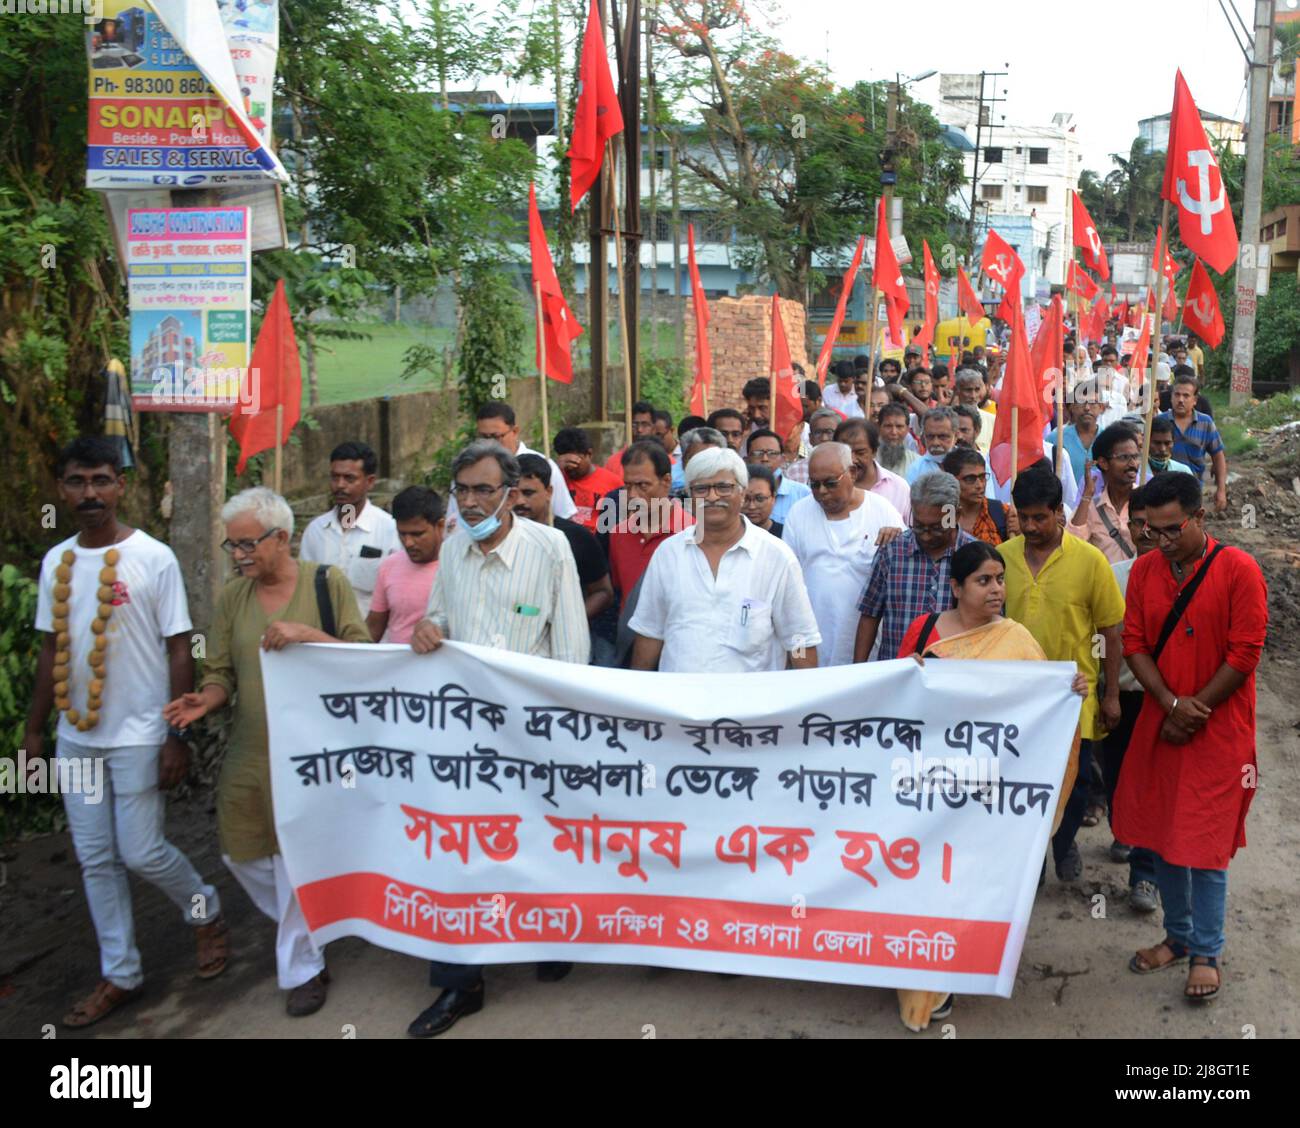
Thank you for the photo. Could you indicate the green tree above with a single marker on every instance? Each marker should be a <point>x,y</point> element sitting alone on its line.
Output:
<point>781,155</point>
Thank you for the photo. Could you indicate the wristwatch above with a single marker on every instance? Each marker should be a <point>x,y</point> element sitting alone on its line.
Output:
<point>182,734</point>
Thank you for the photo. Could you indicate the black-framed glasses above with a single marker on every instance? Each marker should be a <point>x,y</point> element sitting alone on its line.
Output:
<point>815,484</point>
<point>764,455</point>
<point>1170,535</point>
<point>479,493</point>
<point>77,483</point>
<point>701,490</point>
<point>752,501</point>
<point>974,479</point>
<point>247,547</point>
<point>929,530</point>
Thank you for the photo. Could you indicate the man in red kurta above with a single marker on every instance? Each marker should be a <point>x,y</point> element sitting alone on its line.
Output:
<point>1189,773</point>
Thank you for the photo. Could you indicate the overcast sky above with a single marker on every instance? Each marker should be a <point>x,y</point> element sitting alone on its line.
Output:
<point>1109,62</point>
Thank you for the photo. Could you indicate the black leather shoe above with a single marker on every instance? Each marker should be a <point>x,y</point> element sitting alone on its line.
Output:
<point>552,972</point>
<point>451,1007</point>
<point>309,998</point>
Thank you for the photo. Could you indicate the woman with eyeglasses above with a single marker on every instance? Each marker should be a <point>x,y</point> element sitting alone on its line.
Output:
<point>273,602</point>
<point>974,628</point>
<point>984,518</point>
<point>760,496</point>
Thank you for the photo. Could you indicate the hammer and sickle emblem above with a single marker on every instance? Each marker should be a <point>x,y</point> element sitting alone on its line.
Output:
<point>1094,241</point>
<point>1201,309</point>
<point>1202,205</point>
<point>1001,267</point>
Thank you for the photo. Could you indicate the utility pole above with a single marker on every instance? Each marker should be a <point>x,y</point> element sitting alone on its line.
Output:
<point>1243,331</point>
<point>983,119</point>
<point>627,47</point>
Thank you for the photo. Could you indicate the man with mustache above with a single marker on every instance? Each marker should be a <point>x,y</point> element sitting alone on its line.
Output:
<point>511,583</point>
<point>1103,520</point>
<point>118,584</point>
<point>723,596</point>
<point>894,454</point>
<point>355,535</point>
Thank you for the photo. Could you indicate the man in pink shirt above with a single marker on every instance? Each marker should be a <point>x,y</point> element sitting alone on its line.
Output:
<point>402,586</point>
<point>862,437</point>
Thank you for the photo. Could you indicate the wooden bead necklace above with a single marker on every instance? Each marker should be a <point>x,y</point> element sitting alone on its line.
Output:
<point>84,722</point>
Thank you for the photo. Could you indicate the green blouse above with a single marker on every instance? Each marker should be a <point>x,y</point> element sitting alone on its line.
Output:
<point>245,816</point>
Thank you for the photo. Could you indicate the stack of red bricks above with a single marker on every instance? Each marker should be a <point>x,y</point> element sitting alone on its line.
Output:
<point>740,340</point>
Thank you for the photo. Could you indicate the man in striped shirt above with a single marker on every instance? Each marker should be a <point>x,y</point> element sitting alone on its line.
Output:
<point>507,582</point>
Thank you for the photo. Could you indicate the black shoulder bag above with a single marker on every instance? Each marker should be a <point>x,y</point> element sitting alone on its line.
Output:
<point>1179,608</point>
<point>927,630</point>
<point>323,605</point>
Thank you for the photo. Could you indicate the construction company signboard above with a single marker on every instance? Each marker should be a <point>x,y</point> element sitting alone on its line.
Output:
<point>189,277</point>
<point>180,93</point>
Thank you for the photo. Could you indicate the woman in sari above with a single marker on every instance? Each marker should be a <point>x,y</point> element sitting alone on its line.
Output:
<point>974,628</point>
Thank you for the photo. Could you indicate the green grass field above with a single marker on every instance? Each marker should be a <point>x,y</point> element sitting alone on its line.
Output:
<point>363,369</point>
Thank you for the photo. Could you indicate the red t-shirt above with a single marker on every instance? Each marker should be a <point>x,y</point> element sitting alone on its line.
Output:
<point>629,552</point>
<point>587,491</point>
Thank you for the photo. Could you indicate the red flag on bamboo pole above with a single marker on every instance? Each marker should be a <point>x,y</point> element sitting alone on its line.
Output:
<point>274,379</point>
<point>787,406</point>
<point>887,277</point>
<point>1020,394</point>
<point>1047,350</point>
<point>560,324</point>
<point>597,116</point>
<point>1201,311</point>
<point>1088,239</point>
<point>967,299</point>
<point>1001,263</point>
<point>925,338</point>
<point>700,304</point>
<point>846,287</point>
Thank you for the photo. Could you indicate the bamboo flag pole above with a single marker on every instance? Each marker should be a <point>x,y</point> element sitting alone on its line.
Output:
<point>628,360</point>
<point>279,443</point>
<point>1015,442</point>
<point>541,369</point>
<point>1152,391</point>
<point>874,298</point>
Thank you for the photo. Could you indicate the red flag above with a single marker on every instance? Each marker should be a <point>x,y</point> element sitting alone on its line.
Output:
<point>1194,184</point>
<point>597,116</point>
<point>1138,366</point>
<point>1087,238</point>
<point>887,277</point>
<point>967,299</point>
<point>1020,393</point>
<point>560,324</point>
<point>925,338</point>
<point>1121,312</point>
<point>1171,265</point>
<point>1113,295</point>
<point>703,357</point>
<point>274,377</point>
<point>787,406</point>
<point>1047,353</point>
<point>1100,315</point>
<point>1170,311</point>
<point>846,287</point>
<point>1077,279</point>
<point>1201,307</point>
<point>1003,265</point>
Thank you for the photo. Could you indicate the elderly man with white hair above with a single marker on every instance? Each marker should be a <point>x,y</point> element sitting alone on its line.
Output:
<point>834,535</point>
<point>274,601</point>
<point>722,596</point>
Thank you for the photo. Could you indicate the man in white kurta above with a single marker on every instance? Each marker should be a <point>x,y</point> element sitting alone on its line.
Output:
<point>835,534</point>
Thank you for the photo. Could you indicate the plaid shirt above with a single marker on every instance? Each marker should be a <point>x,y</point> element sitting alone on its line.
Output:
<point>796,471</point>
<point>1200,440</point>
<point>905,582</point>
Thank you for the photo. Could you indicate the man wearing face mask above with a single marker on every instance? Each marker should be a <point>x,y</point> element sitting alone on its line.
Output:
<point>502,582</point>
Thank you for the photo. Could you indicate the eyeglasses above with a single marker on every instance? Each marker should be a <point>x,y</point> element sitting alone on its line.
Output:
<point>1132,459</point>
<point>245,546</point>
<point>974,479</point>
<point>929,530</point>
<point>752,501</point>
<point>825,483</point>
<point>824,434</point>
<point>764,455</point>
<point>479,493</point>
<point>1170,535</point>
<point>99,482</point>
<point>702,490</point>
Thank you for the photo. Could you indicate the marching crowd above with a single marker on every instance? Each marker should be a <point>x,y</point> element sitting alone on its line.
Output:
<point>875,530</point>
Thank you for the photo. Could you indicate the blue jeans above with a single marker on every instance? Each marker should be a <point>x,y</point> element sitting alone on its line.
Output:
<point>1195,902</point>
<point>1141,867</point>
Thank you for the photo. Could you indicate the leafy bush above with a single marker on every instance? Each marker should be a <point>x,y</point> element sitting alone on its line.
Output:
<point>19,647</point>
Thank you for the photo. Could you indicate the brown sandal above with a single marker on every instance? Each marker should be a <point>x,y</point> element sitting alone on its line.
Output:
<point>1215,985</point>
<point>1148,960</point>
<point>99,1004</point>
<point>213,942</point>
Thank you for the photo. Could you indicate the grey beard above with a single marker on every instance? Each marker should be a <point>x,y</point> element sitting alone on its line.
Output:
<point>892,455</point>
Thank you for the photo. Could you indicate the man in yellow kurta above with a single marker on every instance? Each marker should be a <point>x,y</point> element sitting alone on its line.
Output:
<point>1064,592</point>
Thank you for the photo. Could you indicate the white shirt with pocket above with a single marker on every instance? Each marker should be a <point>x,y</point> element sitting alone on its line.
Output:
<point>357,551</point>
<point>744,619</point>
<point>149,607</point>
<point>836,558</point>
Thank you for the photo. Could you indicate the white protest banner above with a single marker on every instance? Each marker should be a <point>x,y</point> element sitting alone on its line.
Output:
<point>189,280</point>
<point>878,824</point>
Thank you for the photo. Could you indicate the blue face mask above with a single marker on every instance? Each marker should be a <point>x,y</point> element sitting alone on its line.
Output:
<point>1160,465</point>
<point>489,525</point>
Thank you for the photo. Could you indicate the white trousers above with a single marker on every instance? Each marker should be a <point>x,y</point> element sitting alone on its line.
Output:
<point>115,813</point>
<point>266,882</point>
